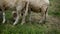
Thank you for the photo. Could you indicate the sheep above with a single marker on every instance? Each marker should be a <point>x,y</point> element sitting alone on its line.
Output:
<point>16,4</point>
<point>35,5</point>
<point>39,6</point>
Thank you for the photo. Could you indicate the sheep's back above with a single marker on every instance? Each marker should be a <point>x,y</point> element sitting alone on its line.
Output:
<point>37,4</point>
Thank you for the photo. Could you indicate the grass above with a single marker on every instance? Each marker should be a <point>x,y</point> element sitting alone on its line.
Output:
<point>54,8</point>
<point>22,29</point>
<point>29,28</point>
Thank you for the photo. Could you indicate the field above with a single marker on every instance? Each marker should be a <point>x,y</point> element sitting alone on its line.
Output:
<point>52,25</point>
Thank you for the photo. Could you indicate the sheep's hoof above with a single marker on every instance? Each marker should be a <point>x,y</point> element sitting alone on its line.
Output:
<point>42,22</point>
<point>14,23</point>
<point>3,22</point>
<point>22,23</point>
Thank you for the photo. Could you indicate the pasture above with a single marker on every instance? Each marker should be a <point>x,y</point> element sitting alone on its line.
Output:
<point>52,25</point>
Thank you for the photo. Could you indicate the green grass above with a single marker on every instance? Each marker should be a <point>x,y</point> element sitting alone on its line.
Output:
<point>22,29</point>
<point>54,8</point>
<point>27,28</point>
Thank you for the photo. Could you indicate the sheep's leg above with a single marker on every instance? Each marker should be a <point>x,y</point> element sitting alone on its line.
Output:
<point>25,14</point>
<point>29,14</point>
<point>19,7</point>
<point>14,14</point>
<point>4,17</point>
<point>43,13</point>
<point>18,12</point>
<point>16,19</point>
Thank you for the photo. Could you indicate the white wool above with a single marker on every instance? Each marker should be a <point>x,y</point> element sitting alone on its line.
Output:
<point>47,1</point>
<point>11,3</point>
